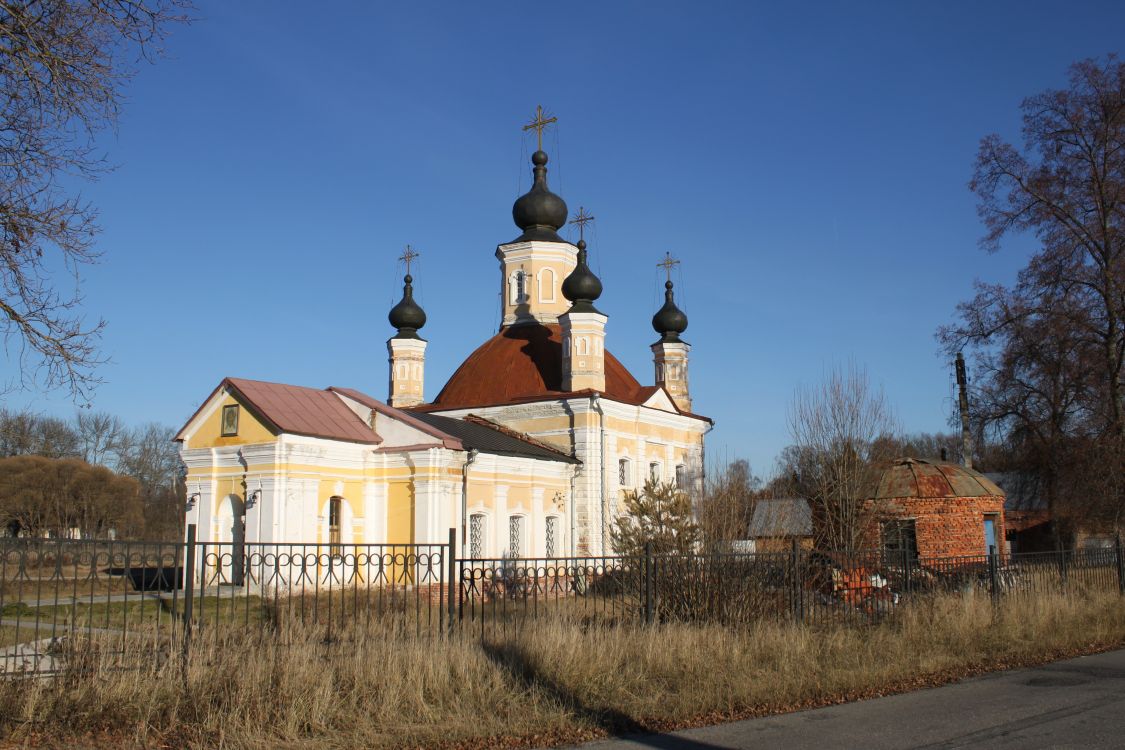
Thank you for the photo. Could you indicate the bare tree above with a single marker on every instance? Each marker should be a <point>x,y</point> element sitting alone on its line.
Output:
<point>1067,187</point>
<point>839,430</point>
<point>102,437</point>
<point>726,506</point>
<point>1050,349</point>
<point>63,66</point>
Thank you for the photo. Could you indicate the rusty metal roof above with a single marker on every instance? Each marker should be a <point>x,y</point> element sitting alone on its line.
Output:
<point>919,478</point>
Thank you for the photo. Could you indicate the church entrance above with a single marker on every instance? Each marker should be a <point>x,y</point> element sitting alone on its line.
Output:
<point>232,535</point>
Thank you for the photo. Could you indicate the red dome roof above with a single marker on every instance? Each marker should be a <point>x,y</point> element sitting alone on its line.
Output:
<point>919,478</point>
<point>524,363</point>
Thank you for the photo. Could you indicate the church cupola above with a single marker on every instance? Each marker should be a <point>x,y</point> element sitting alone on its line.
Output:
<point>406,348</point>
<point>539,212</point>
<point>670,353</point>
<point>583,327</point>
<point>582,287</point>
<point>407,317</point>
<point>533,266</point>
<point>669,320</point>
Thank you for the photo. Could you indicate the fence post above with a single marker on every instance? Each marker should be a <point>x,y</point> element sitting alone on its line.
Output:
<point>905,571</point>
<point>993,583</point>
<point>1120,554</point>
<point>649,571</point>
<point>452,565</point>
<point>795,594</point>
<point>189,596</point>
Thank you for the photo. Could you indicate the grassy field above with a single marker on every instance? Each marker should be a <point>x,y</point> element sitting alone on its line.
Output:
<point>551,683</point>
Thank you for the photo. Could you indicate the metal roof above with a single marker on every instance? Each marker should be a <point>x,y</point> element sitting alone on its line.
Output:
<point>1021,489</point>
<point>474,432</point>
<point>920,478</point>
<point>782,516</point>
<point>295,409</point>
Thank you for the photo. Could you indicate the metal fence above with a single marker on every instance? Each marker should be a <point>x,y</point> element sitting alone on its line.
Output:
<point>805,586</point>
<point>145,602</point>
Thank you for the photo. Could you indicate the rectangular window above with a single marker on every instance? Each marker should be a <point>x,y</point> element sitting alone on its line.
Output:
<point>230,420</point>
<point>899,537</point>
<point>681,477</point>
<point>654,471</point>
<point>476,535</point>
<point>623,472</point>
<point>552,522</point>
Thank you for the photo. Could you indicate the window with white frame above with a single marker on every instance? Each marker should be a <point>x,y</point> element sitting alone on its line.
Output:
<point>552,540</point>
<point>515,536</point>
<point>476,535</point>
<point>624,472</point>
<point>654,471</point>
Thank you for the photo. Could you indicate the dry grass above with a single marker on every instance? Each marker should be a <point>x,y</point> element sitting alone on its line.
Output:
<point>552,683</point>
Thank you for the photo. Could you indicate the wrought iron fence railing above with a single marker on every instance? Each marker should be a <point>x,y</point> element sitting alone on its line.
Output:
<point>143,602</point>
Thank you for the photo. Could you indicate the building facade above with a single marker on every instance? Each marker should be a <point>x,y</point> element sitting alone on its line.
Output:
<point>527,450</point>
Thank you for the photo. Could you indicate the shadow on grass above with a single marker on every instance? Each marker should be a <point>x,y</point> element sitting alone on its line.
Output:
<point>516,662</point>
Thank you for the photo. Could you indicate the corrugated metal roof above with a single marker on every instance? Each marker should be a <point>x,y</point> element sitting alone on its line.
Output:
<point>782,516</point>
<point>487,439</point>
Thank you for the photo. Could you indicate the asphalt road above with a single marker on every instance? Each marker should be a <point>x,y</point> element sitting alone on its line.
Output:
<point>1078,703</point>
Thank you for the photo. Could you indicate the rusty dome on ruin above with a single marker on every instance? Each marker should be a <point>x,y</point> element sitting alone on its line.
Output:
<point>924,479</point>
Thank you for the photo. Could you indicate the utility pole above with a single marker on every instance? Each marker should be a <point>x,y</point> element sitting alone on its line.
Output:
<point>963,399</point>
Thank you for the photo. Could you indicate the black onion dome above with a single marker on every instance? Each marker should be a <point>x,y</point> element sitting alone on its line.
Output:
<point>582,287</point>
<point>669,320</point>
<point>407,316</point>
<point>539,212</point>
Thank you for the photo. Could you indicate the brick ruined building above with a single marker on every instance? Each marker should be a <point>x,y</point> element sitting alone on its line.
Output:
<point>937,509</point>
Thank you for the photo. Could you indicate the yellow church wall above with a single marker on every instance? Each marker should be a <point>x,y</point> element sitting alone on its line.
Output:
<point>250,429</point>
<point>400,512</point>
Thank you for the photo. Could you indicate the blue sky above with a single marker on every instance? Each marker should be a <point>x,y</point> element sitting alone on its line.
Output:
<point>807,162</point>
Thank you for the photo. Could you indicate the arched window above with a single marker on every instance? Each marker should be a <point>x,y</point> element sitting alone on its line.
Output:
<point>515,536</point>
<point>624,472</point>
<point>476,535</point>
<point>517,288</point>
<point>547,285</point>
<point>334,507</point>
<point>551,547</point>
<point>582,346</point>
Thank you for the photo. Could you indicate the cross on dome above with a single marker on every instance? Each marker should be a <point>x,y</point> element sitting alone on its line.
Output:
<point>668,264</point>
<point>539,123</point>
<point>582,219</point>
<point>407,256</point>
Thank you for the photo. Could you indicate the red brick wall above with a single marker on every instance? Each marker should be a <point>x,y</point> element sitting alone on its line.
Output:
<point>946,526</point>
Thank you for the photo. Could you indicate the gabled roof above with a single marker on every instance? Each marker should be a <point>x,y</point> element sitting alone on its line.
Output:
<point>487,437</point>
<point>375,404</point>
<point>782,516</point>
<point>523,364</point>
<point>296,410</point>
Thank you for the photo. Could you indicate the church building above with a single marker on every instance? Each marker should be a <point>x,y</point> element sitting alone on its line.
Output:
<point>527,450</point>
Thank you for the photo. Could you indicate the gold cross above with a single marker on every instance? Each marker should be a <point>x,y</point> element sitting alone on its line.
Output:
<point>668,264</point>
<point>408,256</point>
<point>538,123</point>
<point>582,219</point>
